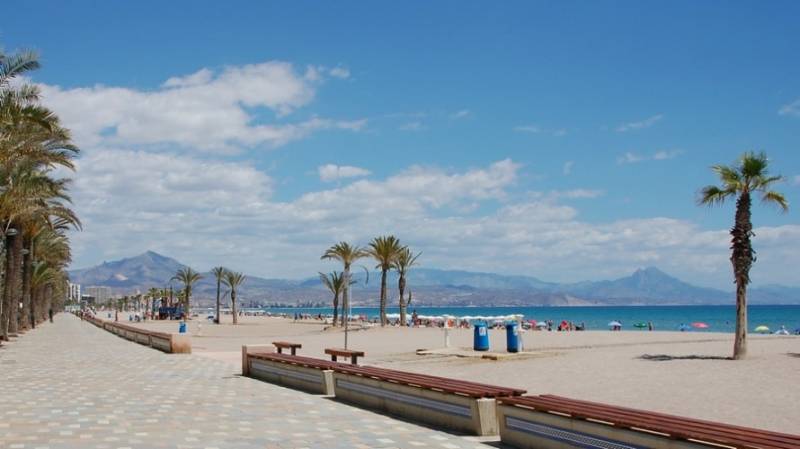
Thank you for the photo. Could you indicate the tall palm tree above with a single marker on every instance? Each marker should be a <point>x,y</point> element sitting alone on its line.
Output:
<point>335,283</point>
<point>152,294</point>
<point>384,250</point>
<point>234,280</point>
<point>219,275</point>
<point>32,144</point>
<point>404,261</point>
<point>749,175</point>
<point>188,277</point>
<point>347,254</point>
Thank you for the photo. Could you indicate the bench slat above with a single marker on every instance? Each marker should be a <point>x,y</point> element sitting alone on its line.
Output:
<point>676,427</point>
<point>430,382</point>
<point>690,422</point>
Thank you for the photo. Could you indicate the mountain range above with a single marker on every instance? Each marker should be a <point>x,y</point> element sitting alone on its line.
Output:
<point>646,286</point>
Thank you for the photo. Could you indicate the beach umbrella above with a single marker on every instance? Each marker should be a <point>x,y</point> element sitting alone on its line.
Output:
<point>614,324</point>
<point>640,325</point>
<point>762,329</point>
<point>541,324</point>
<point>700,325</point>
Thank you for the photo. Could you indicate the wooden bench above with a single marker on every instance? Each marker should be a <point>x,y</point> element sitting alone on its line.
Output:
<point>304,373</point>
<point>338,352</point>
<point>443,402</point>
<point>554,421</point>
<point>281,345</point>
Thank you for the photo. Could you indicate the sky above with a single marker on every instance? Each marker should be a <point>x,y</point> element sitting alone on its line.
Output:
<point>562,140</point>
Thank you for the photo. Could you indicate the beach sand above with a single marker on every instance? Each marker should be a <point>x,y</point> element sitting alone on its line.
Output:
<point>672,372</point>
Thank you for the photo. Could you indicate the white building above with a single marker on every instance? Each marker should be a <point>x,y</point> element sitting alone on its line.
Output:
<point>100,294</point>
<point>74,294</point>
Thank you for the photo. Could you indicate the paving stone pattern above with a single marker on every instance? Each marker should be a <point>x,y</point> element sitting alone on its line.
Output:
<point>72,385</point>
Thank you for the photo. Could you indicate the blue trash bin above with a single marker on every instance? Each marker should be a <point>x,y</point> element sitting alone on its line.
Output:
<point>512,337</point>
<point>481,337</point>
<point>182,327</point>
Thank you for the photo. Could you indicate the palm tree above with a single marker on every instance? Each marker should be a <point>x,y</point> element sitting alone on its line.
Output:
<point>346,254</point>
<point>335,283</point>
<point>234,280</point>
<point>188,277</point>
<point>32,144</point>
<point>219,274</point>
<point>384,250</point>
<point>748,175</point>
<point>153,293</point>
<point>404,261</point>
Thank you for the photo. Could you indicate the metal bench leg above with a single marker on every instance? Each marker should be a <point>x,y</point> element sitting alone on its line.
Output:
<point>333,358</point>
<point>293,351</point>
<point>280,350</point>
<point>354,360</point>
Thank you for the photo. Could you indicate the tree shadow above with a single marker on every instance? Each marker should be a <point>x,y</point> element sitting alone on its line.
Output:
<point>667,357</point>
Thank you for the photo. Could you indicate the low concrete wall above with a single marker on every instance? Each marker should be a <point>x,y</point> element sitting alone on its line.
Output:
<point>303,378</point>
<point>531,429</point>
<point>312,380</point>
<point>461,413</point>
<point>170,343</point>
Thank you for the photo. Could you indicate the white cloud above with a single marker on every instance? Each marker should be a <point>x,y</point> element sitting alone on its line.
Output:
<point>641,124</point>
<point>332,172</point>
<point>340,72</point>
<point>661,155</point>
<point>463,113</point>
<point>792,108</point>
<point>412,126</point>
<point>206,110</point>
<point>536,129</point>
<point>567,170</point>
<point>666,154</point>
<point>630,158</point>
<point>206,213</point>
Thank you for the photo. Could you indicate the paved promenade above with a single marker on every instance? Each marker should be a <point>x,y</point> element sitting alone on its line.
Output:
<point>72,385</point>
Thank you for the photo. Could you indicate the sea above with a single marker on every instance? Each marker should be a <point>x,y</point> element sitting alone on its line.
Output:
<point>664,318</point>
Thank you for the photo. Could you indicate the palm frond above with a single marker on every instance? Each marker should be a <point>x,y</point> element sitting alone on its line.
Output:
<point>776,198</point>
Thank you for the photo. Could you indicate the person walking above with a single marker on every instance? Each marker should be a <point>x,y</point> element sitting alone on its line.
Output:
<point>50,313</point>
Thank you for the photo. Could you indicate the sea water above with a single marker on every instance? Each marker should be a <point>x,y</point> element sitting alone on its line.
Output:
<point>665,318</point>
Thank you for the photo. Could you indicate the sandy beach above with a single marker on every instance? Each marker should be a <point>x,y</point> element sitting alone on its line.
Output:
<point>680,373</point>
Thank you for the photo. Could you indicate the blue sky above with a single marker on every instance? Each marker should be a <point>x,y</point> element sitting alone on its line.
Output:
<point>599,120</point>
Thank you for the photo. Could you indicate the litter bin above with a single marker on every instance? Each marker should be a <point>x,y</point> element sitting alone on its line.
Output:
<point>182,327</point>
<point>481,337</point>
<point>512,337</point>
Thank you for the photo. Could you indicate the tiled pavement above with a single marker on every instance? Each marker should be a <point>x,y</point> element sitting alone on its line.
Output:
<point>72,385</point>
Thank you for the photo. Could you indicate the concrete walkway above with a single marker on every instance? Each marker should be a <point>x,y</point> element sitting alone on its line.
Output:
<point>72,385</point>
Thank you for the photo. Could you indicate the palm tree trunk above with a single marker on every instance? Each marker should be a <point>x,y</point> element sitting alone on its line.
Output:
<point>27,270</point>
<point>7,281</point>
<point>346,303</point>
<point>384,321</point>
<point>233,307</point>
<point>742,258</point>
<point>187,310</point>
<point>335,308</point>
<point>15,282</point>
<point>216,317</point>
<point>401,285</point>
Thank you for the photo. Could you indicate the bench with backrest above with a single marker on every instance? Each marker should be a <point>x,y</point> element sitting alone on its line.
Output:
<point>281,345</point>
<point>549,421</point>
<point>304,373</point>
<point>338,352</point>
<point>450,403</point>
<point>440,401</point>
